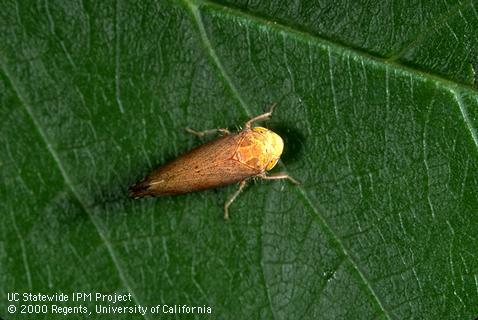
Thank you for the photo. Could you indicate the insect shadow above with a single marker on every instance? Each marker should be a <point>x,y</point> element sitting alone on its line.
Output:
<point>108,197</point>
<point>293,143</point>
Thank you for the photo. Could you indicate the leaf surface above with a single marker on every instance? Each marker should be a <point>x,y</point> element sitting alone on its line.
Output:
<point>378,107</point>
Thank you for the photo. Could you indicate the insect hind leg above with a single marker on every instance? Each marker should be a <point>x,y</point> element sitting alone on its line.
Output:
<point>232,198</point>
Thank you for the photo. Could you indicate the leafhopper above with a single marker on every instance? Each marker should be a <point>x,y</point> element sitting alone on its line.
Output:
<point>230,158</point>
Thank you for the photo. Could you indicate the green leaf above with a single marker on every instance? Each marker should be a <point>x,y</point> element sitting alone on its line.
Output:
<point>378,107</point>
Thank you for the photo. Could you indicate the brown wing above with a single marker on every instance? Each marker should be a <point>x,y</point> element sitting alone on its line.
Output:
<point>208,166</point>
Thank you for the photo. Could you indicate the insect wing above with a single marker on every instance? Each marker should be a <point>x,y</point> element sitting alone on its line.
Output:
<point>207,166</point>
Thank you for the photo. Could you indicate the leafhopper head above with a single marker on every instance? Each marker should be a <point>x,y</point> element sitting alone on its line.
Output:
<point>273,146</point>
<point>259,148</point>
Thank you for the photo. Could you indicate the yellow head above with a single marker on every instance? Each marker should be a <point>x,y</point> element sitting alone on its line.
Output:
<point>261,149</point>
<point>273,146</point>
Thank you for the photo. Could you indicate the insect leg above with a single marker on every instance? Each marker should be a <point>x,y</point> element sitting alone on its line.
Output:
<point>263,116</point>
<point>205,132</point>
<point>232,198</point>
<point>278,176</point>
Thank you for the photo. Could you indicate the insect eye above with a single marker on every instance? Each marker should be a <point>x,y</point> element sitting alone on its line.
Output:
<point>272,164</point>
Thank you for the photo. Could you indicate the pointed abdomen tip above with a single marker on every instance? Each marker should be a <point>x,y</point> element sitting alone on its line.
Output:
<point>139,190</point>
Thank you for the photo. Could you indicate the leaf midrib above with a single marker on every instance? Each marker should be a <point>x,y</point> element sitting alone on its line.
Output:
<point>321,220</point>
<point>457,89</point>
<point>448,84</point>
<point>452,86</point>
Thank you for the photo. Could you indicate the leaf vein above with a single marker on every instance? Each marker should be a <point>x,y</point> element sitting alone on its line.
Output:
<point>442,20</point>
<point>326,226</point>
<point>69,184</point>
<point>328,44</point>
<point>228,82</point>
<point>117,57</point>
<point>23,250</point>
<point>466,118</point>
<point>345,252</point>
<point>212,54</point>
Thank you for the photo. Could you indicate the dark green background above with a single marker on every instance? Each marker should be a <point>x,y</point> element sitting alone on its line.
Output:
<point>378,107</point>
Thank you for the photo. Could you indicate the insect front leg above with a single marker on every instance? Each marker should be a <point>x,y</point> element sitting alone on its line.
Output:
<point>201,134</point>
<point>278,176</point>
<point>263,116</point>
<point>232,198</point>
